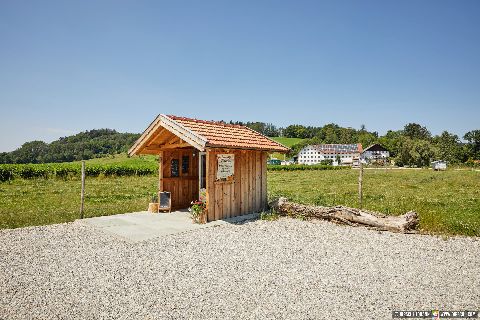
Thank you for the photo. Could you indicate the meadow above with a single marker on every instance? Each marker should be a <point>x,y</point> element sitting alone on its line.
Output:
<point>447,202</point>
<point>27,202</point>
<point>288,142</point>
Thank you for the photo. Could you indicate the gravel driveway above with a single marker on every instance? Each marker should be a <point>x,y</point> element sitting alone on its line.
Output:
<point>286,269</point>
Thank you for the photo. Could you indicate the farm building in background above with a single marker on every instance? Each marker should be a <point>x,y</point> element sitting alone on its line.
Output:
<point>439,165</point>
<point>348,154</point>
<point>375,153</point>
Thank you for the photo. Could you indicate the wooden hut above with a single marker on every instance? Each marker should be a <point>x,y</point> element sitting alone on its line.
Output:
<point>227,162</point>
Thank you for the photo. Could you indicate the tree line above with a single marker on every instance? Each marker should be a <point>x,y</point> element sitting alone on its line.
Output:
<point>414,145</point>
<point>82,146</point>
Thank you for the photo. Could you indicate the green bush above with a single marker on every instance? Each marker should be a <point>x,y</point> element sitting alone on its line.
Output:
<point>295,167</point>
<point>5,174</point>
<point>63,170</point>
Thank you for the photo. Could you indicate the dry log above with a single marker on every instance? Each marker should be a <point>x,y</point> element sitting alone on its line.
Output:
<point>346,215</point>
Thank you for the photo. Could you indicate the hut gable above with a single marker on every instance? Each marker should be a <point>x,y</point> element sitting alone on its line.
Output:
<point>176,132</point>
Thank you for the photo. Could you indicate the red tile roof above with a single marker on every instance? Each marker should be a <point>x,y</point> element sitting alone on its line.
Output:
<point>219,134</point>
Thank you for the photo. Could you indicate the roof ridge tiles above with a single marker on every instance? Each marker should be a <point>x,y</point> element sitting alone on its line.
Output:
<point>212,122</point>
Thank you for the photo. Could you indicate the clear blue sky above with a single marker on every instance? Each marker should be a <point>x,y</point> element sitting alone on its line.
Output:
<point>69,66</point>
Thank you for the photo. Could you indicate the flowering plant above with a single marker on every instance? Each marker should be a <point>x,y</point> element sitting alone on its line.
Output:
<point>203,195</point>
<point>197,210</point>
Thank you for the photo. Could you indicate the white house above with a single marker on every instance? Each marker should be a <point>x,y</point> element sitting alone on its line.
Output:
<point>313,154</point>
<point>375,153</point>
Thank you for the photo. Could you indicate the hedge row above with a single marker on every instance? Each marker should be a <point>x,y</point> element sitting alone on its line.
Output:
<point>62,170</point>
<point>295,167</point>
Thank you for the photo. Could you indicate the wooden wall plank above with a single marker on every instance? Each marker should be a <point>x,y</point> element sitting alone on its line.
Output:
<point>243,183</point>
<point>210,185</point>
<point>231,209</point>
<point>258,181</point>
<point>237,185</point>
<point>226,199</point>
<point>246,195</point>
<point>251,179</point>
<point>252,182</point>
<point>264,181</point>
<point>218,201</point>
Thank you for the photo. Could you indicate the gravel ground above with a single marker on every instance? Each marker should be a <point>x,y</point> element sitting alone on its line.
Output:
<point>286,269</point>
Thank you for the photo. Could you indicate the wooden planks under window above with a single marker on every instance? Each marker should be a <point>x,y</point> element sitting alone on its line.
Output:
<point>245,192</point>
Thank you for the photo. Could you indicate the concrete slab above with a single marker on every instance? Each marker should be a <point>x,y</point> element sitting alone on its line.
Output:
<point>140,226</point>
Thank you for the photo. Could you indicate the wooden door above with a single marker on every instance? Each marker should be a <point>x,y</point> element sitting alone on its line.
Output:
<point>180,176</point>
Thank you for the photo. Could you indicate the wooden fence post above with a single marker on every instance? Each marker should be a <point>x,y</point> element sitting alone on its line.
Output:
<point>360,185</point>
<point>82,194</point>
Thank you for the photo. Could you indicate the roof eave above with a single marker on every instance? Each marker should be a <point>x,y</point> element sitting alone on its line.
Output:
<point>210,145</point>
<point>192,138</point>
<point>135,148</point>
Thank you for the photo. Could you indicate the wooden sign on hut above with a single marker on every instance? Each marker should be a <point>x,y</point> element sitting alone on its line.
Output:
<point>227,161</point>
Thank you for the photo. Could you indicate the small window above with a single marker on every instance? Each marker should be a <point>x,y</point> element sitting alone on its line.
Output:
<point>185,164</point>
<point>174,168</point>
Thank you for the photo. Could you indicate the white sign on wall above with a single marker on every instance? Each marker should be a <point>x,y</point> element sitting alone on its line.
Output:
<point>226,165</point>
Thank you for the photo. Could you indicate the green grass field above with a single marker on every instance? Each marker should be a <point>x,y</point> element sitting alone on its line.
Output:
<point>447,202</point>
<point>46,201</point>
<point>288,142</point>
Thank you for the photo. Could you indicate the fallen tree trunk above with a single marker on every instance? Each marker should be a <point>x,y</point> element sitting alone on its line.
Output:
<point>346,215</point>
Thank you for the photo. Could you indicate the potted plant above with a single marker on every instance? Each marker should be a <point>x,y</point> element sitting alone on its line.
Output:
<point>198,211</point>
<point>153,205</point>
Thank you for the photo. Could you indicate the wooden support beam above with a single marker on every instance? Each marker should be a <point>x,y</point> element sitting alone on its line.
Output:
<point>155,139</point>
<point>160,171</point>
<point>195,140</point>
<point>157,149</point>
<point>151,151</point>
<point>179,141</point>
<point>175,146</point>
<point>210,172</point>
